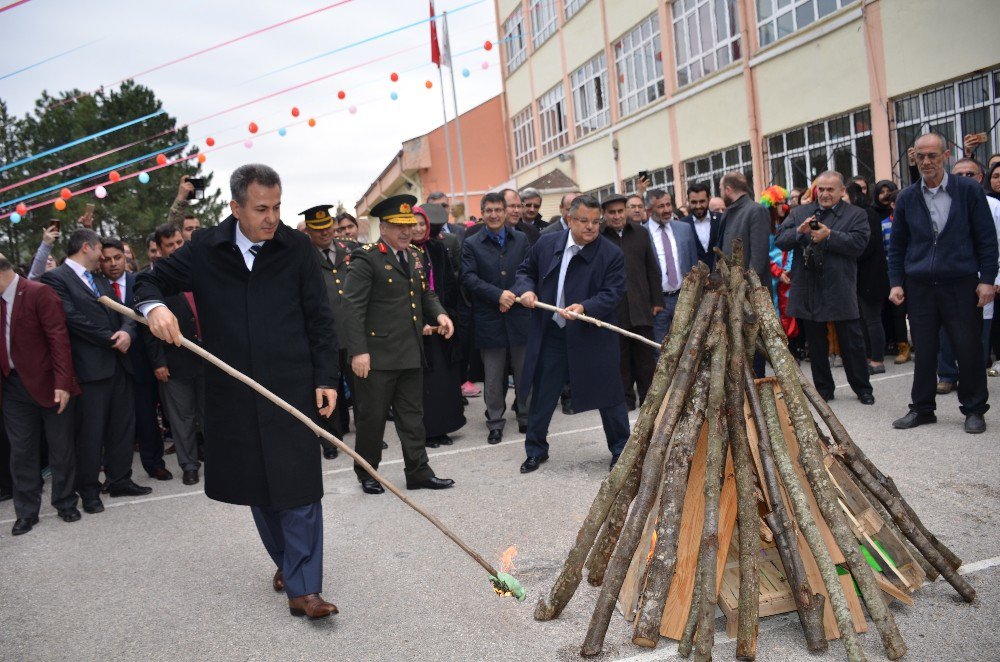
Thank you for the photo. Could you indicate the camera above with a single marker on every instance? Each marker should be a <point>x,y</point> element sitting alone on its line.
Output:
<point>820,213</point>
<point>199,188</point>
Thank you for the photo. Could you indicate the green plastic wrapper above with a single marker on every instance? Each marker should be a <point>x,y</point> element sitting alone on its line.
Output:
<point>505,584</point>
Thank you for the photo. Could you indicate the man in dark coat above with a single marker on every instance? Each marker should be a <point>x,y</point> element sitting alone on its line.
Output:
<point>827,237</point>
<point>489,266</point>
<point>531,198</point>
<point>263,310</point>
<point>388,303</point>
<point>748,221</point>
<point>579,271</point>
<point>642,301</point>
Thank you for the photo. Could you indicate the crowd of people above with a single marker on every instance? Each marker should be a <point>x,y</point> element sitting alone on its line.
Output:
<point>437,303</point>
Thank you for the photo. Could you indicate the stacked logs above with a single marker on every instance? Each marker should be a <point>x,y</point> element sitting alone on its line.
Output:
<point>704,379</point>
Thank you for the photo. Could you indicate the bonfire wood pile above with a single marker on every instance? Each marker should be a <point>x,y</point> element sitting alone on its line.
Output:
<point>719,461</point>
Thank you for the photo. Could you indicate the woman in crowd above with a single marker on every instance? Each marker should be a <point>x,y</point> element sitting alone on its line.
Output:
<point>992,181</point>
<point>775,199</point>
<point>443,409</point>
<point>873,281</point>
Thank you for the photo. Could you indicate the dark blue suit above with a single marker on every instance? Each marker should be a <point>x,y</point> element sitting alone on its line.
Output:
<point>595,278</point>
<point>147,394</point>
<point>715,225</point>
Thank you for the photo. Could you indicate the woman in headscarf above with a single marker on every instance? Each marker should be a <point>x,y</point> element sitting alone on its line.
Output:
<point>443,408</point>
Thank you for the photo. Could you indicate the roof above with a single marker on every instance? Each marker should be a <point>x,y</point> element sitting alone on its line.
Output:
<point>554,180</point>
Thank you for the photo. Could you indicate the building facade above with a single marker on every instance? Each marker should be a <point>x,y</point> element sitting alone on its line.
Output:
<point>782,90</point>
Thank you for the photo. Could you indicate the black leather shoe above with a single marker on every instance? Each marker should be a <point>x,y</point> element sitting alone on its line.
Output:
<point>827,398</point>
<point>496,436</point>
<point>5,495</point>
<point>567,408</point>
<point>190,477</point>
<point>975,424</point>
<point>445,440</point>
<point>93,506</point>
<point>384,445</point>
<point>371,486</point>
<point>70,514</point>
<point>522,427</point>
<point>532,463</point>
<point>432,442</point>
<point>432,483</point>
<point>129,489</point>
<point>22,525</point>
<point>913,419</point>
<point>160,474</point>
<point>330,452</point>
<point>867,399</point>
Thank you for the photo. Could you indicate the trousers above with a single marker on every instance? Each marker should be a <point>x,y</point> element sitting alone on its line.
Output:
<point>495,384</point>
<point>105,430</point>
<point>293,538</point>
<point>852,348</point>
<point>638,362</point>
<point>183,401</point>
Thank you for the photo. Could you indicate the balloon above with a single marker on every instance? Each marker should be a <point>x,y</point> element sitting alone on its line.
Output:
<point>465,73</point>
<point>60,205</point>
<point>66,194</point>
<point>393,76</point>
<point>210,141</point>
<point>295,111</point>
<point>248,143</point>
<point>114,176</point>
<point>15,218</point>
<point>393,96</point>
<point>312,121</point>
<point>486,65</point>
<point>282,131</point>
<point>202,158</point>
<point>341,94</point>
<point>488,45</point>
<point>161,159</point>
<point>253,127</point>
<point>352,110</point>
<point>428,84</point>
<point>143,177</point>
<point>100,192</point>
<point>22,208</point>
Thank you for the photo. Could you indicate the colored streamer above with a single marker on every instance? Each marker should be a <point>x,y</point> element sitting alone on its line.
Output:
<point>13,4</point>
<point>49,59</point>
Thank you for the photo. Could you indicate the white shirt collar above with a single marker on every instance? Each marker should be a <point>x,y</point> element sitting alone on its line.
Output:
<point>122,281</point>
<point>242,242</point>
<point>933,191</point>
<point>78,268</point>
<point>8,294</point>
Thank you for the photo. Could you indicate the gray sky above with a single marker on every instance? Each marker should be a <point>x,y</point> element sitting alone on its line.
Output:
<point>337,159</point>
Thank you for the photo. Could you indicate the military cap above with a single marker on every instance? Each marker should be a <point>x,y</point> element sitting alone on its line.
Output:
<point>318,217</point>
<point>398,210</point>
<point>614,198</point>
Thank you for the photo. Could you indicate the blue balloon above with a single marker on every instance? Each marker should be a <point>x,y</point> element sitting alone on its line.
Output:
<point>282,131</point>
<point>393,96</point>
<point>15,218</point>
<point>465,73</point>
<point>143,177</point>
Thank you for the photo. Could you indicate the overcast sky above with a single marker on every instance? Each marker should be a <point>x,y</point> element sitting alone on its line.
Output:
<point>336,160</point>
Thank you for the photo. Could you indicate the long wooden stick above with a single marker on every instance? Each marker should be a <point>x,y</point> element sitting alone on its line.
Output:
<point>317,430</point>
<point>596,322</point>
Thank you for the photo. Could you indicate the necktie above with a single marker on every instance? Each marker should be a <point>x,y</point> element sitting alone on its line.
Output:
<point>4,355</point>
<point>668,257</point>
<point>194,311</point>
<point>254,249</point>
<point>401,256</point>
<point>118,291</point>
<point>561,294</point>
<point>93,284</point>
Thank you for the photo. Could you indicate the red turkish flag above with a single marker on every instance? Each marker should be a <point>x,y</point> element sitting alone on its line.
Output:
<point>435,48</point>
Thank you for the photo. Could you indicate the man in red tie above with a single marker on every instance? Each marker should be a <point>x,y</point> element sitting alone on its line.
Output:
<point>38,381</point>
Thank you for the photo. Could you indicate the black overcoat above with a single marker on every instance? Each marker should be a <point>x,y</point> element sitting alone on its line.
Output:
<point>488,270</point>
<point>272,324</point>
<point>642,272</point>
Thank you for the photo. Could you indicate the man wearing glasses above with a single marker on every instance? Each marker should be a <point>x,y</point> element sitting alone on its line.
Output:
<point>531,198</point>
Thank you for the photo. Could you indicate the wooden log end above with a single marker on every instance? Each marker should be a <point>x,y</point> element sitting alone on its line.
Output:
<point>544,611</point>
<point>645,642</point>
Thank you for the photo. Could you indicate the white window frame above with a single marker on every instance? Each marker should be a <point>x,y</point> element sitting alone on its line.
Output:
<point>544,21</point>
<point>552,120</point>
<point>602,193</point>
<point>639,66</point>
<point>696,58</point>
<point>816,149</point>
<point>777,19</point>
<point>661,178</point>
<point>523,130</point>
<point>711,167</point>
<point>514,43</point>
<point>591,105</point>
<point>571,7</point>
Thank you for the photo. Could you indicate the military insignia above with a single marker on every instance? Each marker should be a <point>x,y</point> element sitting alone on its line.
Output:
<point>405,208</point>
<point>381,248</point>
<point>388,267</point>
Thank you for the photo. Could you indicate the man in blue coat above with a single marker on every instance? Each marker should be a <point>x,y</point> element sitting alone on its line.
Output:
<point>579,271</point>
<point>489,266</point>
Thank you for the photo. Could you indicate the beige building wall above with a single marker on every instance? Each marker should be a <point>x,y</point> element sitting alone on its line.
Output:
<point>623,15</point>
<point>644,145</point>
<point>713,119</point>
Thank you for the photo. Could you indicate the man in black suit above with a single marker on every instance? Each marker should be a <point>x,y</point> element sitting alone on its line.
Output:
<point>705,223</point>
<point>559,223</point>
<point>531,198</point>
<point>513,219</point>
<point>144,390</point>
<point>100,338</point>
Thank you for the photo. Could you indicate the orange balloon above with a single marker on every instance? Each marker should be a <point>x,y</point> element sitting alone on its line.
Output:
<point>202,158</point>
<point>428,84</point>
<point>114,176</point>
<point>66,194</point>
<point>161,159</point>
<point>60,205</point>
<point>312,121</point>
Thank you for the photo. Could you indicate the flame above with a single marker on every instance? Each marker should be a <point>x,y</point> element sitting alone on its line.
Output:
<point>507,559</point>
<point>652,546</point>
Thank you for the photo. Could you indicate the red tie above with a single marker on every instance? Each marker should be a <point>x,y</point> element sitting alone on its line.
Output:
<point>194,311</point>
<point>118,291</point>
<point>4,356</point>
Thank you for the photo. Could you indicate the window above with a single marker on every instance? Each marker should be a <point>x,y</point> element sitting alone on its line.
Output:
<point>543,21</point>
<point>841,143</point>
<point>661,178</point>
<point>713,166</point>
<point>515,48</point>
<point>572,6</point>
<point>590,96</point>
<point>971,105</point>
<point>776,19</point>
<point>552,120</point>
<point>706,35</point>
<point>639,66</point>
<point>601,194</point>
<point>524,137</point>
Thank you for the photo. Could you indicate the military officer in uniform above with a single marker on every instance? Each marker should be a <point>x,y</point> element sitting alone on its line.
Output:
<point>334,256</point>
<point>388,304</point>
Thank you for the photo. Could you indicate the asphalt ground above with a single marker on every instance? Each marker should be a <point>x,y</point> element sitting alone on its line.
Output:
<point>177,576</point>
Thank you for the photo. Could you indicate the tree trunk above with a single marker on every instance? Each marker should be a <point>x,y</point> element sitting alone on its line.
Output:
<point>597,562</point>
<point>810,457</point>
<point>635,450</point>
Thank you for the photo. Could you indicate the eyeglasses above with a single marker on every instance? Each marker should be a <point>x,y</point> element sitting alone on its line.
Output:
<point>532,205</point>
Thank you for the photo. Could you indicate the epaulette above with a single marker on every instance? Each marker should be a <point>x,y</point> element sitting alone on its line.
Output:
<point>416,248</point>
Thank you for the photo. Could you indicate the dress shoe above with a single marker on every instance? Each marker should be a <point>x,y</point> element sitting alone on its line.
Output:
<point>913,419</point>
<point>445,440</point>
<point>5,495</point>
<point>522,427</point>
<point>93,506</point>
<point>70,514</point>
<point>495,437</point>
<point>129,489</point>
<point>975,424</point>
<point>190,477</point>
<point>105,486</point>
<point>874,369</point>
<point>330,452</point>
<point>431,442</point>
<point>567,408</point>
<point>161,474</point>
<point>312,605</point>
<point>532,463</point>
<point>827,398</point>
<point>23,524</point>
<point>278,583</point>
<point>432,483</point>
<point>614,461</point>
<point>371,486</point>
<point>867,399</point>
<point>902,353</point>
<point>384,445</point>
<point>945,387</point>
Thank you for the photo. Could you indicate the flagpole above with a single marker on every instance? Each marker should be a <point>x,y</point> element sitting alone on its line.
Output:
<point>458,122</point>
<point>447,140</point>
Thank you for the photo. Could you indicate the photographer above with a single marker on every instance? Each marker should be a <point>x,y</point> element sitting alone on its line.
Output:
<point>827,237</point>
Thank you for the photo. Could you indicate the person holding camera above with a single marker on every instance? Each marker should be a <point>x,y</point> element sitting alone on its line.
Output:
<point>827,236</point>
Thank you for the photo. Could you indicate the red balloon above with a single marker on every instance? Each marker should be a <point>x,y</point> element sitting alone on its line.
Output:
<point>210,141</point>
<point>253,127</point>
<point>161,159</point>
<point>428,84</point>
<point>341,94</point>
<point>393,76</point>
<point>295,111</point>
<point>66,194</point>
<point>114,176</point>
<point>488,45</point>
<point>21,209</point>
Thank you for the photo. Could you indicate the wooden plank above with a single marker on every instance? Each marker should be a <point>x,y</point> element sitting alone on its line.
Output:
<point>631,591</point>
<point>893,590</point>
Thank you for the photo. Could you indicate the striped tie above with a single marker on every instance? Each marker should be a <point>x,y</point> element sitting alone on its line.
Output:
<point>254,249</point>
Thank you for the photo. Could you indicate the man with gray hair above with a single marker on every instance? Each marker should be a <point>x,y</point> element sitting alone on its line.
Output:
<point>263,309</point>
<point>676,247</point>
<point>531,198</point>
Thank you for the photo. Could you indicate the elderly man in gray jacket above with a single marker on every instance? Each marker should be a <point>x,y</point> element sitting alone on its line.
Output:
<point>827,236</point>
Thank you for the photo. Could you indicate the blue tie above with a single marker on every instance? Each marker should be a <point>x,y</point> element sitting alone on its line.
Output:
<point>93,284</point>
<point>254,249</point>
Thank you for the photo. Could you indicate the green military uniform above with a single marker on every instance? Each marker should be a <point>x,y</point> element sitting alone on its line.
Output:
<point>387,304</point>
